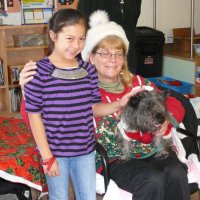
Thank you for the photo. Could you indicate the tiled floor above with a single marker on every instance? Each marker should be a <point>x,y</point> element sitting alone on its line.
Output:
<point>35,194</point>
<point>195,196</point>
<point>13,197</point>
<point>8,197</point>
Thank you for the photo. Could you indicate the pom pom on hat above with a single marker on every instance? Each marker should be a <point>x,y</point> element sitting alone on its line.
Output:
<point>101,27</point>
<point>98,17</point>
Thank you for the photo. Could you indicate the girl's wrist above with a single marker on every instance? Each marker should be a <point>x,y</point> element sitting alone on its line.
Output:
<point>46,158</point>
<point>48,162</point>
<point>120,104</point>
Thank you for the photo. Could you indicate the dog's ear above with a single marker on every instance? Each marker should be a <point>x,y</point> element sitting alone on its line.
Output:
<point>134,101</point>
<point>163,95</point>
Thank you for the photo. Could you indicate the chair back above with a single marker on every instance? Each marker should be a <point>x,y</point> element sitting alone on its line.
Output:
<point>190,120</point>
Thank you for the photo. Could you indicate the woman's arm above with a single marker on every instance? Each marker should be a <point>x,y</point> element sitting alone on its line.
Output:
<point>24,114</point>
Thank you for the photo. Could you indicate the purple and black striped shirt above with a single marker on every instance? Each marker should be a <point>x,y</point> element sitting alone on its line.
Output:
<point>65,105</point>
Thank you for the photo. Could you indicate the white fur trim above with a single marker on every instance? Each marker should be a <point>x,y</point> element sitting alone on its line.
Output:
<point>139,80</point>
<point>167,136</point>
<point>144,87</point>
<point>147,87</point>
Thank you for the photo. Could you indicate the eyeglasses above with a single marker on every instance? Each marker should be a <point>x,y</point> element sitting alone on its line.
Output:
<point>108,55</point>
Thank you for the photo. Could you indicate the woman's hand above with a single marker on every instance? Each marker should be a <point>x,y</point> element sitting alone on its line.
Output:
<point>27,73</point>
<point>163,128</point>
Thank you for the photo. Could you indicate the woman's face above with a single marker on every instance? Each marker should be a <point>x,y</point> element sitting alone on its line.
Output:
<point>108,62</point>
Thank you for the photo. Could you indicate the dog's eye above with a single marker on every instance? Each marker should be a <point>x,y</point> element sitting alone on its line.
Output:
<point>159,118</point>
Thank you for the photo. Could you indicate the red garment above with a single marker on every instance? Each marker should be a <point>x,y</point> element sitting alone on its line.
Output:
<point>24,114</point>
<point>145,138</point>
<point>173,105</point>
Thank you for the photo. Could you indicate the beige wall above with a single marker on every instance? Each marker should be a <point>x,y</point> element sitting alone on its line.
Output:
<point>170,14</point>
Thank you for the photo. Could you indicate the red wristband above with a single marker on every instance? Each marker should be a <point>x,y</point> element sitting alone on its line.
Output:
<point>49,162</point>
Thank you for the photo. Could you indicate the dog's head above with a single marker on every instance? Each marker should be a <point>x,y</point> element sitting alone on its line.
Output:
<point>145,112</point>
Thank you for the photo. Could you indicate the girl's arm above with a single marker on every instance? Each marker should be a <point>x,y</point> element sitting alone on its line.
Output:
<point>33,94</point>
<point>103,109</point>
<point>39,135</point>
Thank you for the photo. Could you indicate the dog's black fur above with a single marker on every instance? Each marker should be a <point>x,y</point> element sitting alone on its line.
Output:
<point>145,112</point>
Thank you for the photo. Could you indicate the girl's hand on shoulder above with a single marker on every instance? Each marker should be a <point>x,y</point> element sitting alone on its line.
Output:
<point>27,73</point>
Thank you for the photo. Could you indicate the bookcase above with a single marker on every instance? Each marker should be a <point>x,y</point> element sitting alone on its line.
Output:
<point>13,58</point>
<point>197,75</point>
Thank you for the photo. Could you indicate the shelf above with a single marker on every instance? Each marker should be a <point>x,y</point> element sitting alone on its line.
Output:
<point>9,27</point>
<point>16,57</point>
<point>25,48</point>
<point>14,86</point>
<point>2,86</point>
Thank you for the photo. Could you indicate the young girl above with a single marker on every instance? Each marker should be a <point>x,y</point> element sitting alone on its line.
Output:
<point>61,100</point>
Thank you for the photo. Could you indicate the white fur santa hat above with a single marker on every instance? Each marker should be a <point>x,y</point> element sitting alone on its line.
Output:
<point>100,27</point>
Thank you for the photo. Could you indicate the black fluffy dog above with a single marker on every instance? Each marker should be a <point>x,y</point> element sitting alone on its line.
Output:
<point>145,112</point>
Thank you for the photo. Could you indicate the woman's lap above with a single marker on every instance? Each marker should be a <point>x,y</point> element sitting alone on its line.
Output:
<point>176,181</point>
<point>152,179</point>
<point>141,179</point>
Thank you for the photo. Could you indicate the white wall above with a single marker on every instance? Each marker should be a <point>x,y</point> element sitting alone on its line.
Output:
<point>170,14</point>
<point>180,69</point>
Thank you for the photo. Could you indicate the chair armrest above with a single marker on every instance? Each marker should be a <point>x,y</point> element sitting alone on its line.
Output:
<point>104,159</point>
<point>185,132</point>
<point>194,138</point>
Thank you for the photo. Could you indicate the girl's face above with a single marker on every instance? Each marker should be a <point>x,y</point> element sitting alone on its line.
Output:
<point>69,42</point>
<point>108,62</point>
